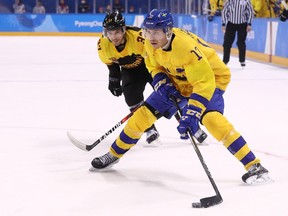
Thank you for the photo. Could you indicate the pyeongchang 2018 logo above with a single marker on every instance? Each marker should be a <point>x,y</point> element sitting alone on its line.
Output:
<point>30,20</point>
<point>187,27</point>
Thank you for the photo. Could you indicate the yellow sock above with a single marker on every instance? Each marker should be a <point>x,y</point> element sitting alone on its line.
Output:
<point>220,128</point>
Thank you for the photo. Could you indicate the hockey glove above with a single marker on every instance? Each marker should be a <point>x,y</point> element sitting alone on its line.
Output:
<point>284,16</point>
<point>163,86</point>
<point>115,86</point>
<point>189,121</point>
<point>218,12</point>
<point>210,18</point>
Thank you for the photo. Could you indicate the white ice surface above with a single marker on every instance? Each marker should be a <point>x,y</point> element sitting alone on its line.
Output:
<point>50,85</point>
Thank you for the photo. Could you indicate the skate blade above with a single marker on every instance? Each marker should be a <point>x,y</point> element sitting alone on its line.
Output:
<point>106,169</point>
<point>109,168</point>
<point>260,180</point>
<point>154,144</point>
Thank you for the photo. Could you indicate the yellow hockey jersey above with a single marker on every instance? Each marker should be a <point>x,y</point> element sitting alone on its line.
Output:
<point>216,5</point>
<point>130,56</point>
<point>282,7</point>
<point>264,8</point>
<point>192,66</point>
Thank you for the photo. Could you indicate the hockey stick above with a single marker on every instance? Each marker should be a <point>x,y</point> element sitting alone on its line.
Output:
<point>208,201</point>
<point>87,147</point>
<point>206,9</point>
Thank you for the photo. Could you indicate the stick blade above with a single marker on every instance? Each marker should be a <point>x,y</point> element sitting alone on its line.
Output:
<point>208,202</point>
<point>76,142</point>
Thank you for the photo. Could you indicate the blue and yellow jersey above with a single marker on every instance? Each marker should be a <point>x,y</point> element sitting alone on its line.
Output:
<point>130,56</point>
<point>193,66</point>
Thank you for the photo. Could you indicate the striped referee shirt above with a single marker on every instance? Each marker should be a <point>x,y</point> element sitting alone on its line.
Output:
<point>237,12</point>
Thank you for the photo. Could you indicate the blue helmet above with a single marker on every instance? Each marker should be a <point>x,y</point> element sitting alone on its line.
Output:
<point>158,19</point>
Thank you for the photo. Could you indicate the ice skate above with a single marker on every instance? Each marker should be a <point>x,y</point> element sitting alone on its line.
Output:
<point>103,162</point>
<point>243,64</point>
<point>257,174</point>
<point>152,136</point>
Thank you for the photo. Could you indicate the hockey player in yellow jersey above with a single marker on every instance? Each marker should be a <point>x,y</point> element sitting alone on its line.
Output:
<point>216,8</point>
<point>284,10</point>
<point>216,5</point>
<point>264,8</point>
<point>183,66</point>
<point>120,48</point>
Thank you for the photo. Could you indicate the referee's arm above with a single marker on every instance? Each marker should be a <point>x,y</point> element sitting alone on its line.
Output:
<point>225,13</point>
<point>250,14</point>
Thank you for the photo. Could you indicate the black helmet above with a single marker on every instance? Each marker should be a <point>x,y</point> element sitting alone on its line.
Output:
<point>113,21</point>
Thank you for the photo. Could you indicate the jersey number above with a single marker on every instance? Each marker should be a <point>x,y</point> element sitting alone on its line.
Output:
<point>99,47</point>
<point>197,52</point>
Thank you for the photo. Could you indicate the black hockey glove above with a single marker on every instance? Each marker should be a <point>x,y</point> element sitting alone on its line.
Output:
<point>210,18</point>
<point>115,86</point>
<point>284,16</point>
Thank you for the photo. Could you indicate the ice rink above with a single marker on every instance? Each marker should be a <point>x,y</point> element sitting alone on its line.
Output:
<point>51,85</point>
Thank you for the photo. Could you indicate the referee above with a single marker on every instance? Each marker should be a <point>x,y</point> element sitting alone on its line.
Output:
<point>237,16</point>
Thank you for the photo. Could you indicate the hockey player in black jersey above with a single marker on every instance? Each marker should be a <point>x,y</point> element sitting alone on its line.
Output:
<point>120,48</point>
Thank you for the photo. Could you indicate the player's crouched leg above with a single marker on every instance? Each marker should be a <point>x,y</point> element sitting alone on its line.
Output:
<point>224,132</point>
<point>130,135</point>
